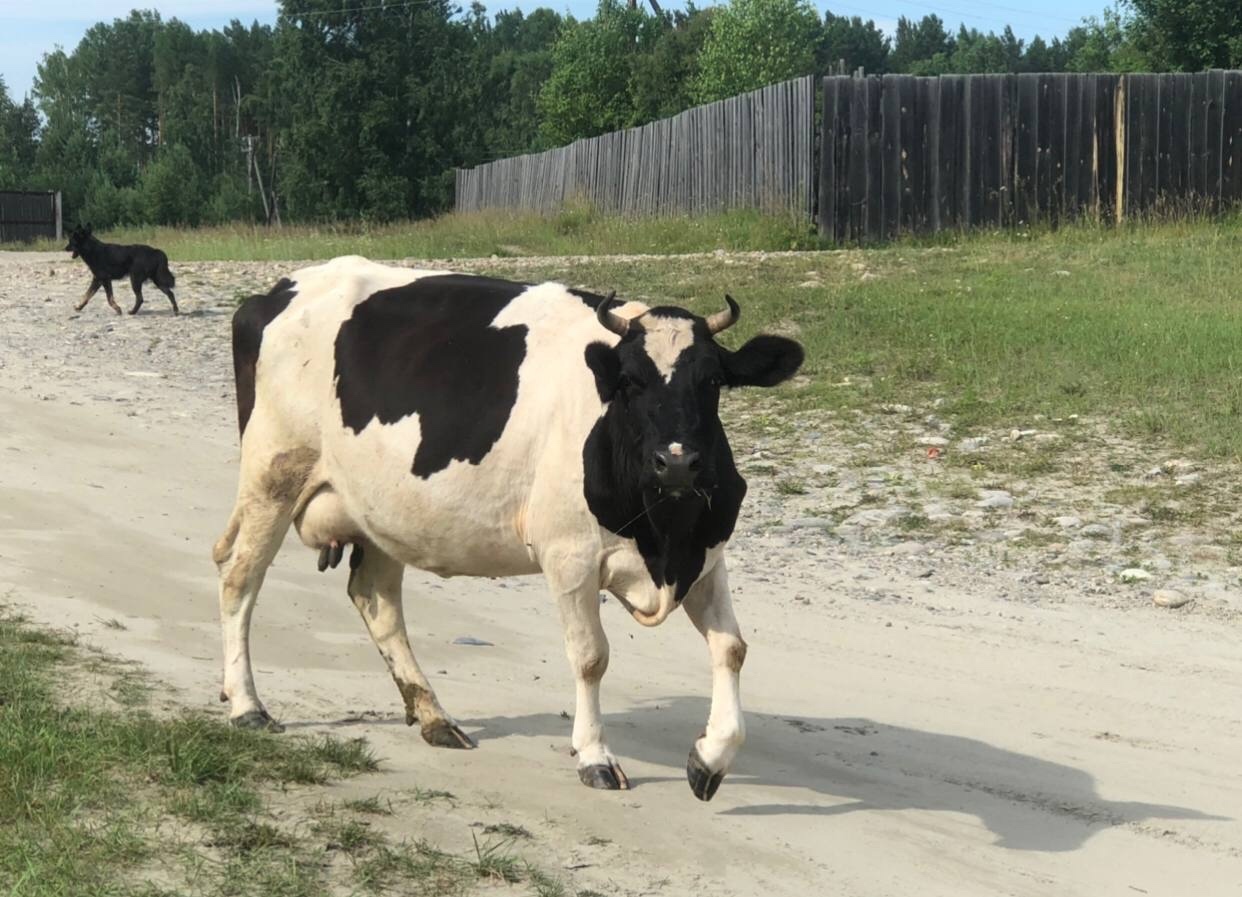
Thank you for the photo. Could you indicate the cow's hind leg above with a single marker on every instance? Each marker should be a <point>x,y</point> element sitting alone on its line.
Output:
<point>270,485</point>
<point>710,609</point>
<point>375,589</point>
<point>586,645</point>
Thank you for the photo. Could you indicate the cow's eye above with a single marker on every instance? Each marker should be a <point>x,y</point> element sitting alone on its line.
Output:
<point>716,380</point>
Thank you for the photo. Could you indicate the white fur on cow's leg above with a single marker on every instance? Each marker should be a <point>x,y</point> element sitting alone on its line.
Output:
<point>375,589</point>
<point>710,608</point>
<point>586,645</point>
<point>243,554</point>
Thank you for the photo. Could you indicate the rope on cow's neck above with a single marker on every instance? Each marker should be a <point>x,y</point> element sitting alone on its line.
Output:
<point>702,493</point>
<point>646,509</point>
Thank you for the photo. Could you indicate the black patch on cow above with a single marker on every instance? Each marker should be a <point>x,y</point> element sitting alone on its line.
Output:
<point>673,524</point>
<point>672,536</point>
<point>427,349</point>
<point>249,322</point>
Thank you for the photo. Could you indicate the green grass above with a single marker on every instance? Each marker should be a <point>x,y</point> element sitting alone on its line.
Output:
<point>577,231</point>
<point>1139,325</point>
<point>101,798</point>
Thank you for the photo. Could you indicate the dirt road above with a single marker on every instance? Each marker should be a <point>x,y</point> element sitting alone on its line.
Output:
<point>920,721</point>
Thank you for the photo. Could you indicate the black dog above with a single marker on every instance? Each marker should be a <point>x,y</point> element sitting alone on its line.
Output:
<point>109,262</point>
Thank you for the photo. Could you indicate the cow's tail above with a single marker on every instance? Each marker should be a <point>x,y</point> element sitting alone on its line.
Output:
<point>249,322</point>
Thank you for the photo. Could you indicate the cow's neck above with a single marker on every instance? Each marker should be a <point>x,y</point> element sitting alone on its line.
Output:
<point>672,535</point>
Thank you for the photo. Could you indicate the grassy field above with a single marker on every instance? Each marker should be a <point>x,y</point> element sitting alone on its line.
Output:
<point>478,235</point>
<point>99,796</point>
<point>1140,327</point>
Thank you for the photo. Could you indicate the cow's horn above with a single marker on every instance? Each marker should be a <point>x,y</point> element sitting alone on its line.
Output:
<point>617,324</point>
<point>723,320</point>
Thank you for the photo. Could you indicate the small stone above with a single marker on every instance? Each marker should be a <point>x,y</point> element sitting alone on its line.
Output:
<point>873,517</point>
<point>1133,574</point>
<point>810,523</point>
<point>1068,522</point>
<point>1169,598</point>
<point>1188,479</point>
<point>994,499</point>
<point>972,444</point>
<point>895,408</point>
<point>823,469</point>
<point>472,641</point>
<point>1096,531</point>
<point>938,441</point>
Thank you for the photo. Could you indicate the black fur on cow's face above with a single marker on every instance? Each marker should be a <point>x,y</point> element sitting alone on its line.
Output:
<point>658,467</point>
<point>664,380</point>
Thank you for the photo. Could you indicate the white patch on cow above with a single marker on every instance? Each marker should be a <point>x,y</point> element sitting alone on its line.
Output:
<point>675,449</point>
<point>665,339</point>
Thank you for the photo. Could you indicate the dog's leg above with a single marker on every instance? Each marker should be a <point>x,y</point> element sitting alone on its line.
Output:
<point>107,285</point>
<point>136,283</point>
<point>96,283</point>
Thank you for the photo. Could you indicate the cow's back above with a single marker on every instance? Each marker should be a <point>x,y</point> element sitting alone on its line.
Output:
<point>448,411</point>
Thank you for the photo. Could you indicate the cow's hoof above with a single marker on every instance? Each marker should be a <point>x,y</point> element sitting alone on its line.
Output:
<point>446,735</point>
<point>703,782</point>
<point>604,777</point>
<point>256,719</point>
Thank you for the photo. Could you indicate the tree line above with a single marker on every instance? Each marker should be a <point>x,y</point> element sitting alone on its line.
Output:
<point>360,109</point>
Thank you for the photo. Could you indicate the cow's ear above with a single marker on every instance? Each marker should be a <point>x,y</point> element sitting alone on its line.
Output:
<point>605,364</point>
<point>763,361</point>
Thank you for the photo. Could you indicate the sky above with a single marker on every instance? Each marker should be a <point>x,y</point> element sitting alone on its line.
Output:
<point>30,28</point>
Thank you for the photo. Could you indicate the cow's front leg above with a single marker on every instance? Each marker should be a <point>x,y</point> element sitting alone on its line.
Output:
<point>587,648</point>
<point>710,608</point>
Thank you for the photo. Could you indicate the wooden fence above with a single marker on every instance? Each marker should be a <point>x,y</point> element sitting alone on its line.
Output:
<point>901,154</point>
<point>28,215</point>
<point>755,150</point>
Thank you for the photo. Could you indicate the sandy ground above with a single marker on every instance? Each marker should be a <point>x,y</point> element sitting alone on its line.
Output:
<point>909,733</point>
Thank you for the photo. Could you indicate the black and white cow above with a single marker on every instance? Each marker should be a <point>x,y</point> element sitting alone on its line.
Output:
<point>475,427</point>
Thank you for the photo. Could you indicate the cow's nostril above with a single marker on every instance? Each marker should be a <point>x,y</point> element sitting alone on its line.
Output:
<point>661,463</point>
<point>695,464</point>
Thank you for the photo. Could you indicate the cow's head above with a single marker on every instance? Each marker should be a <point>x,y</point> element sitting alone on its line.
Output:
<point>78,239</point>
<point>664,379</point>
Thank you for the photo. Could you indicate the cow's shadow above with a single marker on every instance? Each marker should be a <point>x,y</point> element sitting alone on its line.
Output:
<point>858,765</point>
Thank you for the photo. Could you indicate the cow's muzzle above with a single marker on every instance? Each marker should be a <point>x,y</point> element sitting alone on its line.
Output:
<point>677,469</point>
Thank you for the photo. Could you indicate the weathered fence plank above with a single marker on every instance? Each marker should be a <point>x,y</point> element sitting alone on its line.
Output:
<point>27,215</point>
<point>754,150</point>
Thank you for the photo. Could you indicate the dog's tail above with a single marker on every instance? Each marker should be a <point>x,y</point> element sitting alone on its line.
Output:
<point>163,274</point>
